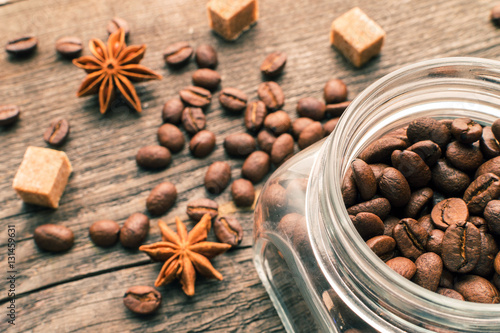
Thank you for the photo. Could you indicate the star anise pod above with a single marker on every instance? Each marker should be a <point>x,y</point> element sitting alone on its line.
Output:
<point>112,66</point>
<point>184,254</point>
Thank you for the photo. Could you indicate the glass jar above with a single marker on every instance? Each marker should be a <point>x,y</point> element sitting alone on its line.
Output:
<point>318,271</point>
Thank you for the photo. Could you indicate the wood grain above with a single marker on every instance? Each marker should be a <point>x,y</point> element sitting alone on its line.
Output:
<point>81,290</point>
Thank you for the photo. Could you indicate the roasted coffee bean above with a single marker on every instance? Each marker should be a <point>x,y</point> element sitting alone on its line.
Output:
<point>479,222</point>
<point>69,47</point>
<point>492,216</point>
<point>243,193</point>
<point>57,133</point>
<point>53,238</point>
<point>278,122</point>
<point>193,119</point>
<point>489,250</point>
<point>239,144</point>
<point>206,56</point>
<point>217,177</point>
<point>465,157</point>
<point>378,170</point>
<point>465,130</point>
<point>311,107</point>
<point>310,135</point>
<point>448,212</point>
<point>153,157</point>
<point>9,114</point>
<point>378,206</point>
<point>491,166</point>
<point>134,230</point>
<point>171,137</point>
<point>195,96</point>
<point>477,289</point>
<point>368,225</point>
<point>199,207</point>
<point>142,300</point>
<point>389,224</point>
<point>22,46</point>
<point>449,180</point>
<point>394,187</point>
<point>273,64</point>
<point>383,246</point>
<point>177,54</point>
<point>255,114</point>
<point>423,128</point>
<point>330,125</point>
<point>349,189</point>
<point>282,149</point>
<point>161,198</point>
<point>272,95</point>
<point>118,23</point>
<point>461,247</point>
<point>172,111</point>
<point>434,244</point>
<point>400,134</point>
<point>202,143</point>
<point>380,151</point>
<point>104,233</point>
<point>228,230</point>
<point>411,238</point>
<point>275,201</point>
<point>447,122</point>
<point>482,190</point>
<point>364,178</point>
<point>336,110</point>
<point>426,223</point>
<point>413,168</point>
<point>289,224</point>
<point>495,129</point>
<point>256,166</point>
<point>428,151</point>
<point>447,278</point>
<point>429,270</point>
<point>489,144</point>
<point>496,280</point>
<point>206,78</point>
<point>335,91</point>
<point>266,139</point>
<point>450,293</point>
<point>496,263</point>
<point>403,266</point>
<point>233,99</point>
<point>299,124</point>
<point>418,200</point>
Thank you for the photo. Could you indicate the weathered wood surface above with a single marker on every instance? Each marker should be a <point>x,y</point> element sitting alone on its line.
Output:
<point>81,290</point>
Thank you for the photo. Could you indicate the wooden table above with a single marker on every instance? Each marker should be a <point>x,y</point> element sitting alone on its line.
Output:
<point>82,290</point>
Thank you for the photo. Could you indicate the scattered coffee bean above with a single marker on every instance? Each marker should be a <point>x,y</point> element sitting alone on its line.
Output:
<point>233,99</point>
<point>172,111</point>
<point>489,144</point>
<point>428,151</point>
<point>69,47</point>
<point>464,157</point>
<point>383,246</point>
<point>403,266</point>
<point>134,230</point>
<point>411,238</point>
<point>177,54</point>
<point>239,144</point>
<point>428,129</point>
<point>171,137</point>
<point>336,110</point>
<point>9,114</point>
<point>217,177</point>
<point>465,130</point>
<point>272,95</point>
<point>273,64</point>
<point>104,233</point>
<point>206,78</point>
<point>394,187</point>
<point>282,149</point>
<point>206,56</point>
<point>228,230</point>
<point>364,179</point>
<point>378,206</point>
<point>199,207</point>
<point>266,139</point>
<point>53,238</point>
<point>335,91</point>
<point>57,133</point>
<point>311,107</point>
<point>195,96</point>
<point>161,198</point>
<point>429,269</point>
<point>22,46</point>
<point>153,157</point>
<point>448,212</point>
<point>450,293</point>
<point>477,289</point>
<point>482,190</point>
<point>330,125</point>
<point>461,247</point>
<point>310,135</point>
<point>255,114</point>
<point>117,23</point>
<point>256,166</point>
<point>299,124</point>
<point>243,193</point>
<point>142,300</point>
<point>193,120</point>
<point>278,122</point>
<point>202,143</point>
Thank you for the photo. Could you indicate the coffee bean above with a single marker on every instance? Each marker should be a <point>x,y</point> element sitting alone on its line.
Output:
<point>278,122</point>
<point>272,95</point>
<point>482,190</point>
<point>299,124</point>
<point>228,230</point>
<point>389,224</point>
<point>172,111</point>
<point>273,64</point>
<point>380,150</point>
<point>171,137</point>
<point>428,151</point>
<point>161,198</point>
<point>9,114</point>
<point>426,223</point>
<point>496,280</point>
<point>310,135</point>
<point>418,200</point>
<point>21,46</point>
<point>423,128</point>
<point>275,201</point>
<point>266,139</point>
<point>491,166</point>
<point>447,278</point>
<point>233,99</point>
<point>202,143</point>
<point>243,193</point>
<point>364,178</point>
<point>330,125</point>
<point>199,207</point>
<point>448,212</point>
<point>413,168</point>
<point>450,293</point>
<point>311,107</point>
<point>335,91</point>
<point>53,238</point>
<point>255,114</point>
<point>193,120</point>
<point>403,266</point>
<point>195,96</point>
<point>495,15</point>
<point>489,250</point>
<point>461,247</point>
<point>57,133</point>
<point>134,230</point>
<point>368,225</point>
<point>104,233</point>
<point>177,54</point>
<point>448,180</point>
<point>429,269</point>
<point>492,216</point>
<point>142,300</point>
<point>410,237</point>
<point>117,23</point>
<point>217,177</point>
<point>378,206</point>
<point>489,144</point>
<point>378,170</point>
<point>479,222</point>
<point>465,130</point>
<point>336,110</point>
<point>349,189</point>
<point>435,242</point>
<point>239,144</point>
<point>256,166</point>
<point>383,246</point>
<point>496,263</point>
<point>477,289</point>
<point>465,157</point>
<point>289,224</point>
<point>394,187</point>
<point>153,157</point>
<point>206,56</point>
<point>282,149</point>
<point>495,129</point>
<point>69,47</point>
<point>206,78</point>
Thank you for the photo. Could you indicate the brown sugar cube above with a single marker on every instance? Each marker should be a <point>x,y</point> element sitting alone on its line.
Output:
<point>357,36</point>
<point>42,176</point>
<point>229,18</point>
